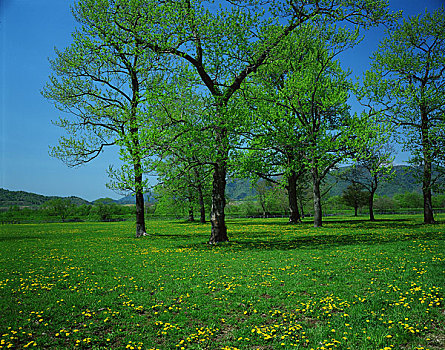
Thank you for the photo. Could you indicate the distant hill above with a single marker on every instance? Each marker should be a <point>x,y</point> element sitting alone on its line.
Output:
<point>28,199</point>
<point>237,189</point>
<point>106,201</point>
<point>22,198</point>
<point>402,182</point>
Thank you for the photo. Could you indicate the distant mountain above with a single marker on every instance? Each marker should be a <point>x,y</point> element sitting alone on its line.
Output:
<point>239,189</point>
<point>131,199</point>
<point>22,198</point>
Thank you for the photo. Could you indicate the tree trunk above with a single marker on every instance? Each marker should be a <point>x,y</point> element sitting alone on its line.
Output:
<point>428,214</point>
<point>371,206</point>
<point>356,210</point>
<point>294,213</point>
<point>135,149</point>
<point>217,216</point>
<point>140,218</point>
<point>302,210</point>
<point>318,215</point>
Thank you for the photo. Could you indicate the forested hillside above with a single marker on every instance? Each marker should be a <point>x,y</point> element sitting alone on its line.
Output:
<point>402,182</point>
<point>22,198</point>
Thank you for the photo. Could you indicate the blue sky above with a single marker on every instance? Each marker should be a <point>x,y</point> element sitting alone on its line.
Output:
<point>29,32</point>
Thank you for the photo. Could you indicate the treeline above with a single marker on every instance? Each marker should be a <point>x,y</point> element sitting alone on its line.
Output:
<point>271,204</point>
<point>274,203</point>
<point>67,210</point>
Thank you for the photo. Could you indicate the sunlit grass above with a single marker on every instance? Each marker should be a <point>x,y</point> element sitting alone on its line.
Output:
<point>349,285</point>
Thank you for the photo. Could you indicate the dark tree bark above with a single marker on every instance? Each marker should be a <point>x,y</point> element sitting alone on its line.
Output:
<point>135,148</point>
<point>318,214</point>
<point>371,205</point>
<point>294,213</point>
<point>428,215</point>
<point>217,217</point>
<point>302,208</point>
<point>356,210</point>
<point>140,218</point>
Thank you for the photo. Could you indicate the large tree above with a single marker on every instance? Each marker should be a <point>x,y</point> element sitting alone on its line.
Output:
<point>222,47</point>
<point>303,100</point>
<point>407,80</point>
<point>102,81</point>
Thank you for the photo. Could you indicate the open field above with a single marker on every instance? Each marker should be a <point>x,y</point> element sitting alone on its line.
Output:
<point>349,285</point>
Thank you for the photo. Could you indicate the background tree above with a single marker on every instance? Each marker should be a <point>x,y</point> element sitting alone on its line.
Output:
<point>410,200</point>
<point>263,188</point>
<point>220,48</point>
<point>385,204</point>
<point>354,196</point>
<point>407,79</point>
<point>268,161</point>
<point>61,207</point>
<point>102,80</point>
<point>185,179</point>
<point>373,166</point>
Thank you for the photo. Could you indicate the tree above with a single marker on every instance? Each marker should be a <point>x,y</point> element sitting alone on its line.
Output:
<point>407,81</point>
<point>304,99</point>
<point>270,162</point>
<point>263,188</point>
<point>59,207</point>
<point>409,200</point>
<point>355,197</point>
<point>102,81</point>
<point>104,211</point>
<point>220,48</point>
<point>372,167</point>
<point>184,179</point>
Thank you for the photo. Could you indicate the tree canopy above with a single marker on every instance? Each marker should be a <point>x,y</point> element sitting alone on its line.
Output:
<point>133,65</point>
<point>407,82</point>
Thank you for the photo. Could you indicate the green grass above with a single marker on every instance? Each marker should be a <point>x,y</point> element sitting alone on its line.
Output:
<point>349,285</point>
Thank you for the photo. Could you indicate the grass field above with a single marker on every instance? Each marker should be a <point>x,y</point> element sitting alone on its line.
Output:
<point>349,285</point>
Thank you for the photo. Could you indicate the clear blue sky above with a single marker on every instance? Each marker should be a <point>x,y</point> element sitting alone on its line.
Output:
<point>29,31</point>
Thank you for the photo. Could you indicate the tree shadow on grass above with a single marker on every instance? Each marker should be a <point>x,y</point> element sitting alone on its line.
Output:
<point>339,224</point>
<point>265,222</point>
<point>260,241</point>
<point>193,223</point>
<point>179,236</point>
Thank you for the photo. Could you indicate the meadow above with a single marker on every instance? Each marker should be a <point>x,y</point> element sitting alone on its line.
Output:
<point>349,285</point>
